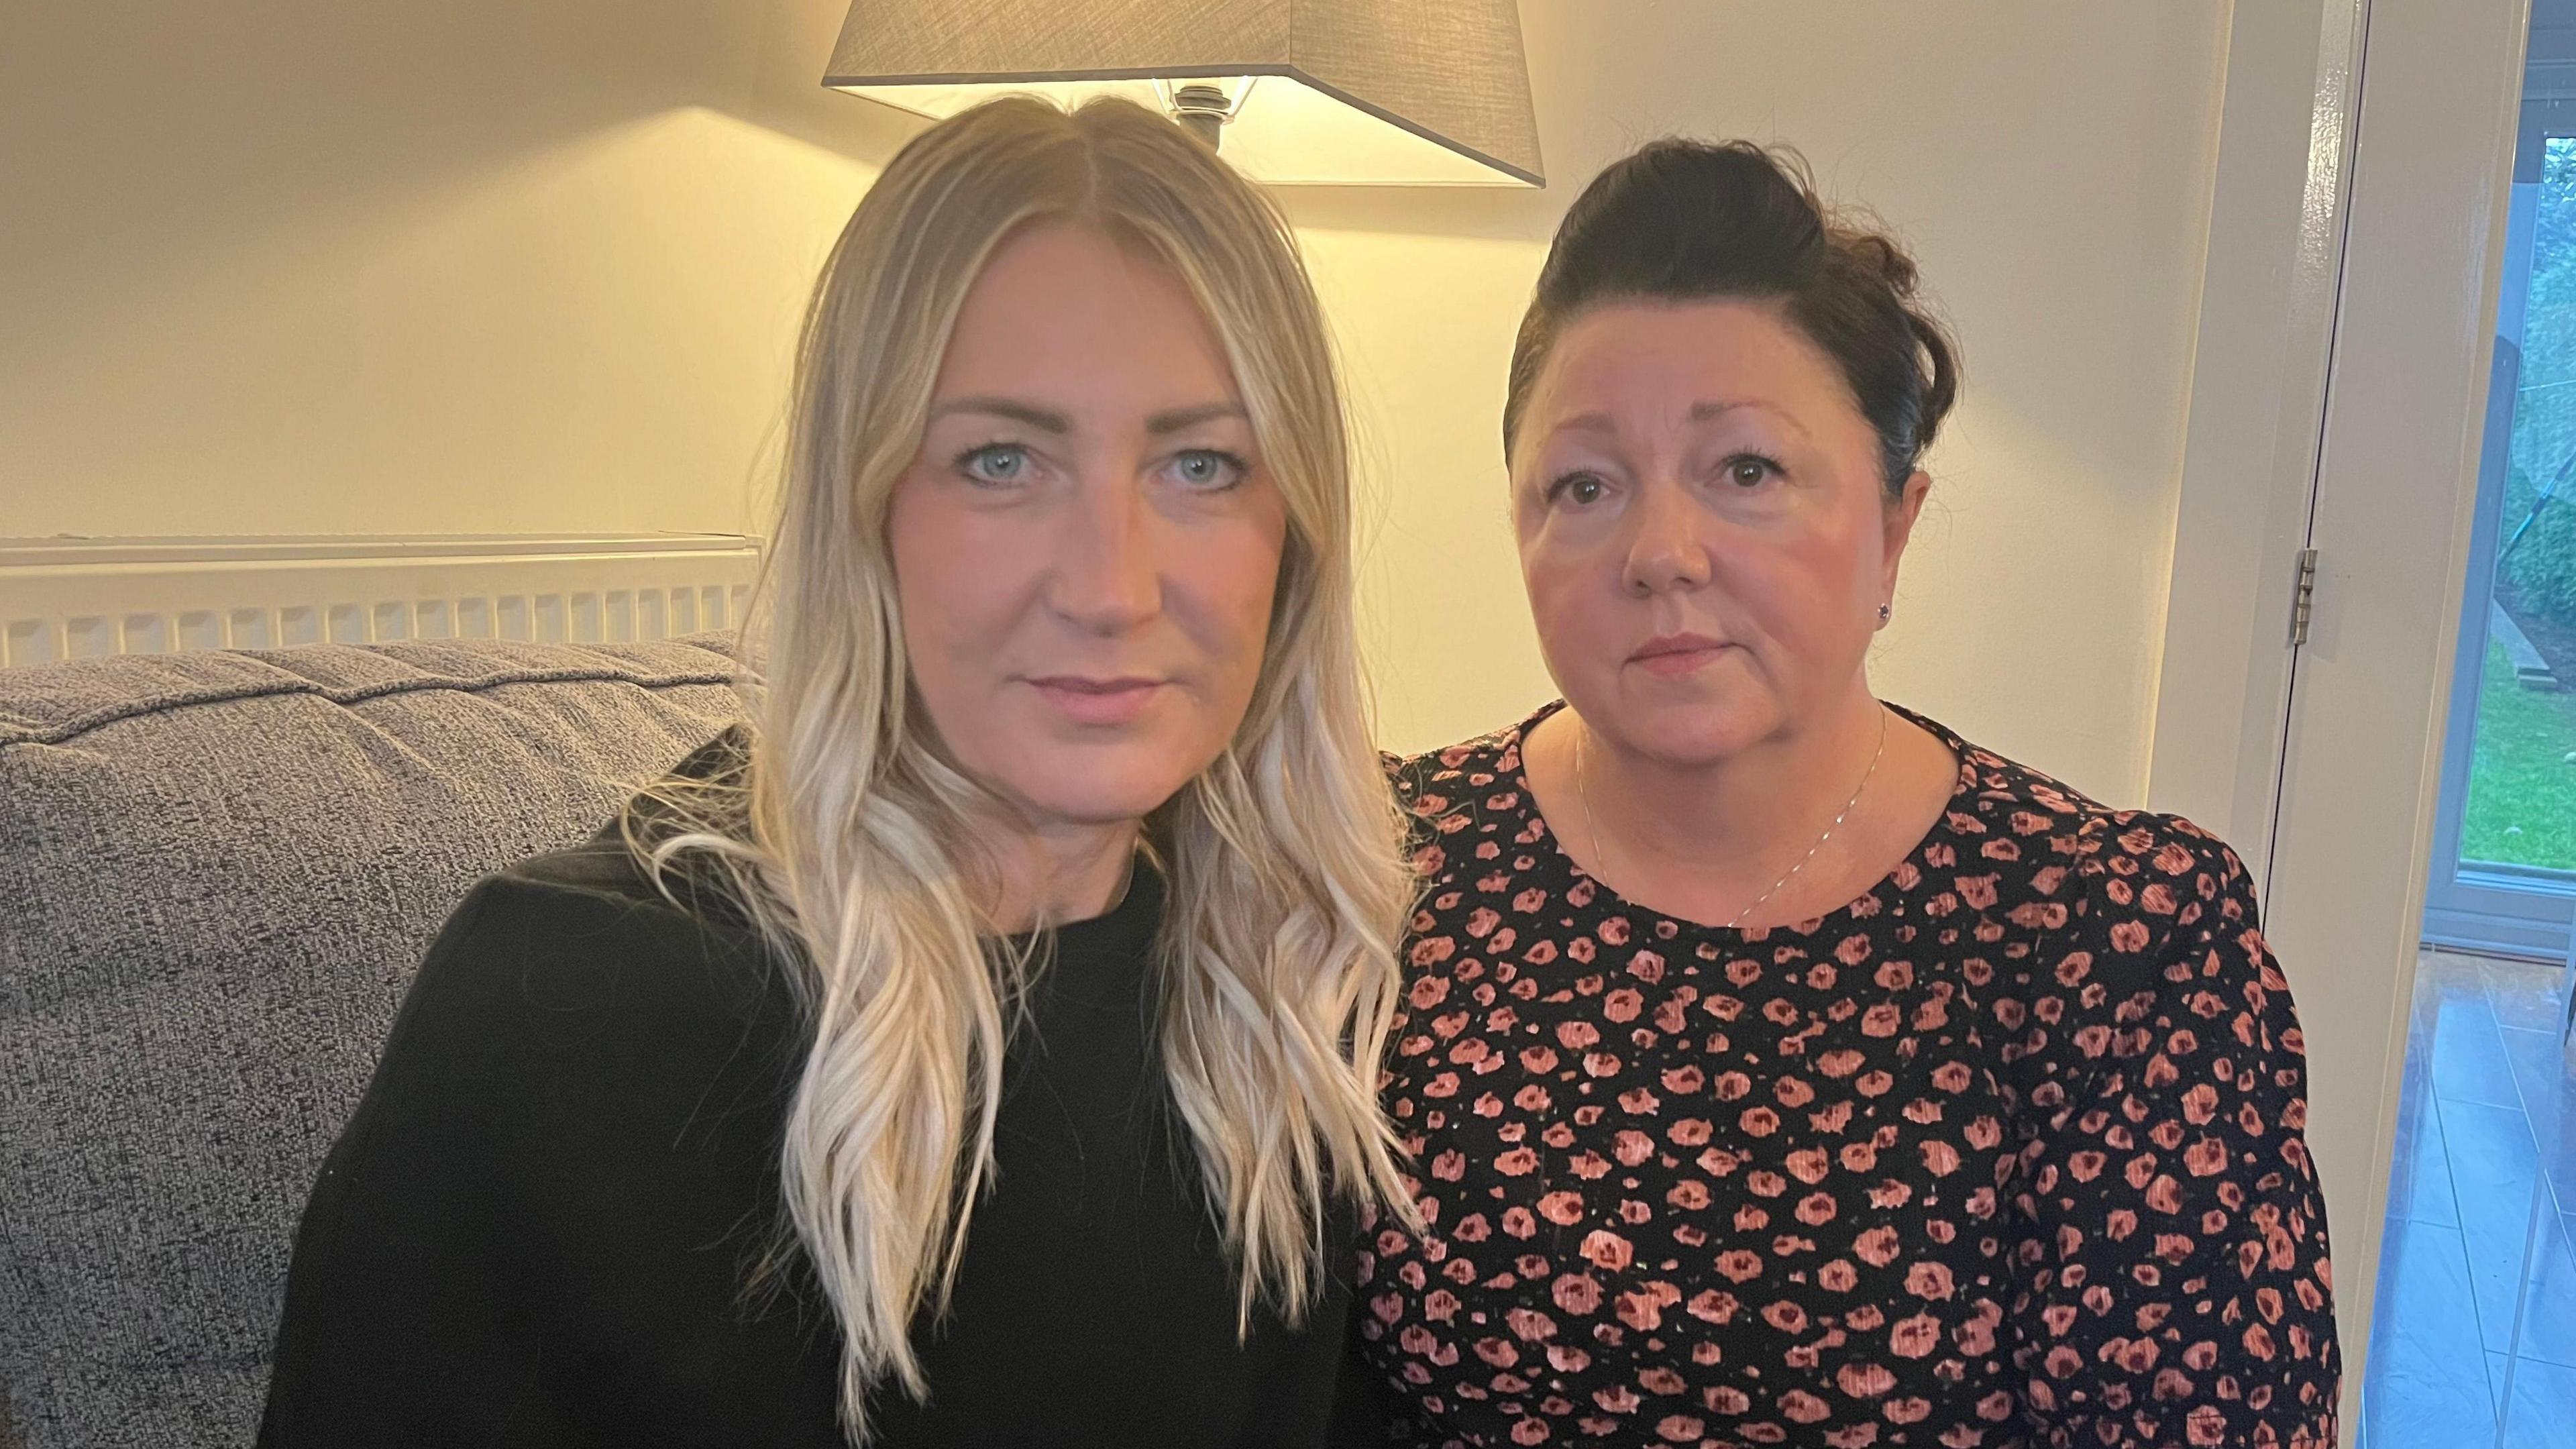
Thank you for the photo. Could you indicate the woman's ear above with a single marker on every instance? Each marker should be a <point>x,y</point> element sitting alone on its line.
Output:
<point>1897,528</point>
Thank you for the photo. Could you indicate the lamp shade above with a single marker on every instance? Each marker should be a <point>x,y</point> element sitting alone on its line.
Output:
<point>1322,92</point>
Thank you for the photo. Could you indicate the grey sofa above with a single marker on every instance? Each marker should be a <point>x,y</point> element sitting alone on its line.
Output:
<point>217,874</point>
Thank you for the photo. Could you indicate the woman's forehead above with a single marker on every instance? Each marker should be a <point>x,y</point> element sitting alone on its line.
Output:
<point>1066,320</point>
<point>1687,365</point>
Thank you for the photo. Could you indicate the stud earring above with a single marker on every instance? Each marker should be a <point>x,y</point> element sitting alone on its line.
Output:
<point>1885,612</point>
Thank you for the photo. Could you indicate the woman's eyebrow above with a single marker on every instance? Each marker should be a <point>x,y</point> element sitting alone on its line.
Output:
<point>1050,421</point>
<point>1712,410</point>
<point>1180,418</point>
<point>1708,410</point>
<point>1043,419</point>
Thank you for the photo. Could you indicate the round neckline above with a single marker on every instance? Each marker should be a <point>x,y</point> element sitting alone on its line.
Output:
<point>1517,739</point>
<point>1110,951</point>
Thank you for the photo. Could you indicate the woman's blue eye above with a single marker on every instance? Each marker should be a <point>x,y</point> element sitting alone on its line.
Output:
<point>995,463</point>
<point>1209,469</point>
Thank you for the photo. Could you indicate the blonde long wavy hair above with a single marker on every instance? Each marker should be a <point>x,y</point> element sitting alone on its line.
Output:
<point>846,835</point>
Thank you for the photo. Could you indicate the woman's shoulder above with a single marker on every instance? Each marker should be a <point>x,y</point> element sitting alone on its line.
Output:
<point>2148,912</point>
<point>1435,782</point>
<point>1469,788</point>
<point>1494,752</point>
<point>601,888</point>
<point>572,1042</point>
<point>589,958</point>
<point>617,894</point>
<point>2162,869</point>
<point>2139,923</point>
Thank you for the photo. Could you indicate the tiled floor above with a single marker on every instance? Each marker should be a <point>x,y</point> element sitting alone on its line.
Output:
<point>2478,1227</point>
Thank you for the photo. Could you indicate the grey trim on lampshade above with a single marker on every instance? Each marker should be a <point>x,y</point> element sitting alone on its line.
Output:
<point>1450,71</point>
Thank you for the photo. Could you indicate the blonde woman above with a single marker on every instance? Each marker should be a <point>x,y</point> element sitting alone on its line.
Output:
<point>969,1051</point>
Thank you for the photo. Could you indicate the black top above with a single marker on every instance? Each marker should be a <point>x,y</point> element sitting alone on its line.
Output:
<point>2006,1151</point>
<point>539,1226</point>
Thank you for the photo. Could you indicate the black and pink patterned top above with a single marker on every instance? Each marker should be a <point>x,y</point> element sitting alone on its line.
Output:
<point>2007,1151</point>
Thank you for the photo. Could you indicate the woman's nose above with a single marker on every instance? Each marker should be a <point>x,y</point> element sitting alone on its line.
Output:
<point>1669,549</point>
<point>1108,573</point>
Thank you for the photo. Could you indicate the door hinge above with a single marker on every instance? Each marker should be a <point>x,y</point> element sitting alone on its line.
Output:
<point>2303,597</point>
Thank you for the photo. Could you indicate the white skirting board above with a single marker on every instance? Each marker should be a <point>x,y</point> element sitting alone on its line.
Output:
<point>70,598</point>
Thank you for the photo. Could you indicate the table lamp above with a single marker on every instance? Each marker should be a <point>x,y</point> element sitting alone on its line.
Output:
<point>1292,92</point>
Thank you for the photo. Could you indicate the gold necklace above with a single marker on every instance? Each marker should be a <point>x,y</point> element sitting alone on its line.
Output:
<point>1593,831</point>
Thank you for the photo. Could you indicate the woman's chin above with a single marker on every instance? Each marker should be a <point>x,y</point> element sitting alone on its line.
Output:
<point>1682,734</point>
<point>1091,791</point>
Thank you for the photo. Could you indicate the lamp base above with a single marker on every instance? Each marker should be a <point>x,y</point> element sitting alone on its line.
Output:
<point>1203,110</point>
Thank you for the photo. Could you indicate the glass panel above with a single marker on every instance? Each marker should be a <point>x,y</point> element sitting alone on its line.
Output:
<point>2474,1334</point>
<point>2520,811</point>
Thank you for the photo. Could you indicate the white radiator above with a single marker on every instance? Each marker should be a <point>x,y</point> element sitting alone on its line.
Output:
<point>73,598</point>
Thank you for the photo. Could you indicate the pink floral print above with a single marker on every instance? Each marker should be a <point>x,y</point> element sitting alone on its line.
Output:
<point>2006,1151</point>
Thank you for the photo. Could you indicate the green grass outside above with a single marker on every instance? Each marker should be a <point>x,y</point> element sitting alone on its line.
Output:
<point>2522,787</point>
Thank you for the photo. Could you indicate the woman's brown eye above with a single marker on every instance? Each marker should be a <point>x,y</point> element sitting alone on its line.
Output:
<point>1748,472</point>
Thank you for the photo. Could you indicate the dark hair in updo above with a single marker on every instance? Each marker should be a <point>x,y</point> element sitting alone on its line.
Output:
<point>1687,221</point>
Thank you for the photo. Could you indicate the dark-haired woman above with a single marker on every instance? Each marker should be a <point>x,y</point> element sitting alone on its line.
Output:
<point>1780,1067</point>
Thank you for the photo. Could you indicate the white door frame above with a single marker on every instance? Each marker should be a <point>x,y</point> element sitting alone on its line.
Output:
<point>2337,399</point>
<point>2259,367</point>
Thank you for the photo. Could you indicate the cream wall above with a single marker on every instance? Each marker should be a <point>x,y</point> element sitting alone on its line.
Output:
<point>489,265</point>
<point>411,265</point>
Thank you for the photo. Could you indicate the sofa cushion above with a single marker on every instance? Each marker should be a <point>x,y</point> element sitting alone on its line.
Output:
<point>217,874</point>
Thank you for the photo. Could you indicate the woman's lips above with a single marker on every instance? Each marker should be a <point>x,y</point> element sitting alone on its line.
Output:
<point>1674,655</point>
<point>1098,701</point>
